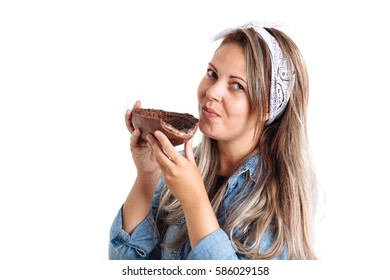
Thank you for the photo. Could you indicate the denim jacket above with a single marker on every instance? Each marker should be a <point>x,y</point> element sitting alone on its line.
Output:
<point>142,243</point>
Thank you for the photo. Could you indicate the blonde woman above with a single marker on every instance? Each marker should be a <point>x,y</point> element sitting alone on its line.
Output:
<point>247,191</point>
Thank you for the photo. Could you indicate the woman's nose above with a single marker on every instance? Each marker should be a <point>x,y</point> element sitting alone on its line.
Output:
<point>215,91</point>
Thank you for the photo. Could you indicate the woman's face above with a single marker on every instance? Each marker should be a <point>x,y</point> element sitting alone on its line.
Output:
<point>224,112</point>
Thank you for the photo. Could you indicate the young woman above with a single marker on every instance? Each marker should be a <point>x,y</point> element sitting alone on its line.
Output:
<point>248,190</point>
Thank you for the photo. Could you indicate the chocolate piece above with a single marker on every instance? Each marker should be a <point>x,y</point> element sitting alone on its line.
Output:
<point>178,127</point>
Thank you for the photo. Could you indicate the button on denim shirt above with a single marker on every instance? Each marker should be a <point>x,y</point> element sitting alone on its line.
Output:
<point>141,244</point>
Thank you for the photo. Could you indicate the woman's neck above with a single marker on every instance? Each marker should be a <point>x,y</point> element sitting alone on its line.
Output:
<point>232,155</point>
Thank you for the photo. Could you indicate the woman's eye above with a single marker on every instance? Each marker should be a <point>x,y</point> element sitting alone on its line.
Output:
<point>211,73</point>
<point>237,86</point>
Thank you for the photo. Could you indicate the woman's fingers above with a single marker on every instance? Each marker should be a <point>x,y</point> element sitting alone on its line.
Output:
<point>166,152</point>
<point>135,137</point>
<point>167,146</point>
<point>129,125</point>
<point>189,151</point>
<point>162,148</point>
<point>137,104</point>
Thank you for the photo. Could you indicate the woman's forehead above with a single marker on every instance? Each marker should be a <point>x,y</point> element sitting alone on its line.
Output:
<point>229,55</point>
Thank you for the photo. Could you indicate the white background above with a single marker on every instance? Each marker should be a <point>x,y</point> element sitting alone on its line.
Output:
<point>70,69</point>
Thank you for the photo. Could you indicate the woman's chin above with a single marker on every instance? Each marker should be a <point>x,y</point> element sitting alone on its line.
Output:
<point>208,131</point>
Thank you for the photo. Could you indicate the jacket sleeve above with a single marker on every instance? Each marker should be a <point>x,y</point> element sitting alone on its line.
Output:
<point>218,246</point>
<point>142,241</point>
<point>215,246</point>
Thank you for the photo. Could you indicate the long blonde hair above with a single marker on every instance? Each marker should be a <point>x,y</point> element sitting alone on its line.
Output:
<point>283,196</point>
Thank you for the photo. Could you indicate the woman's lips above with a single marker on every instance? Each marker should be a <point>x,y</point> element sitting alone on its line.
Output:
<point>209,113</point>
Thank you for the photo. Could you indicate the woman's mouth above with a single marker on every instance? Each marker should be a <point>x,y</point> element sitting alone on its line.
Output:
<point>209,113</point>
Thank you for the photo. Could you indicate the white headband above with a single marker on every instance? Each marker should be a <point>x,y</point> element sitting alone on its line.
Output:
<point>281,84</point>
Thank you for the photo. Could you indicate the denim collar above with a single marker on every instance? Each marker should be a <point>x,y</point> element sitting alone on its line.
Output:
<point>242,181</point>
<point>249,166</point>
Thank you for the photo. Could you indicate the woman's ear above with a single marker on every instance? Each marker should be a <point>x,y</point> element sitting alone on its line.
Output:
<point>266,117</point>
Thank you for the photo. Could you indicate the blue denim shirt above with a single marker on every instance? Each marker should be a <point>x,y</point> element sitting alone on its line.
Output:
<point>141,244</point>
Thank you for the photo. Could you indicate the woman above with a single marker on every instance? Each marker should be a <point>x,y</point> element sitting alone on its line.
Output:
<point>247,191</point>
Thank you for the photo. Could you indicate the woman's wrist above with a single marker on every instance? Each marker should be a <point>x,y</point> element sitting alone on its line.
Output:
<point>200,219</point>
<point>145,185</point>
<point>138,203</point>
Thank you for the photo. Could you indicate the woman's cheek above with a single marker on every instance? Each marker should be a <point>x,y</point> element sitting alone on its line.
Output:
<point>201,88</point>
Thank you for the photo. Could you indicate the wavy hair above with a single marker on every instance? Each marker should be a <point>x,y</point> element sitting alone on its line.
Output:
<point>284,194</point>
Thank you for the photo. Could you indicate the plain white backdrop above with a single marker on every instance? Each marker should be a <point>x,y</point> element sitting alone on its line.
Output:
<point>70,69</point>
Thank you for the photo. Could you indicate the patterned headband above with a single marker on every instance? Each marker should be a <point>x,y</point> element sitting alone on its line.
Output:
<point>281,83</point>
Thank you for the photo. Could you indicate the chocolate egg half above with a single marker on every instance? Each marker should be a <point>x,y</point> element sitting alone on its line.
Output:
<point>178,127</point>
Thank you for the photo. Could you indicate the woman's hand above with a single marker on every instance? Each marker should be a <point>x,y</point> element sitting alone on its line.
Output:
<point>183,178</point>
<point>144,159</point>
<point>138,202</point>
<point>180,173</point>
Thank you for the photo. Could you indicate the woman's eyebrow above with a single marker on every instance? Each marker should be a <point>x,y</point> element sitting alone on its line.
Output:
<point>231,76</point>
<point>215,68</point>
<point>236,77</point>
